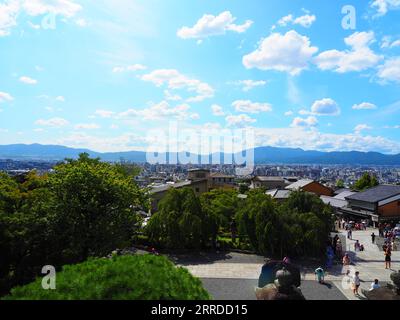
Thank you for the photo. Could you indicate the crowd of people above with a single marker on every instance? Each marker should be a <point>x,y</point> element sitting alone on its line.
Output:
<point>335,249</point>
<point>386,231</point>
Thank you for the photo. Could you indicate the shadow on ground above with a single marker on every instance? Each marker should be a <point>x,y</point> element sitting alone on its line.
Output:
<point>244,289</point>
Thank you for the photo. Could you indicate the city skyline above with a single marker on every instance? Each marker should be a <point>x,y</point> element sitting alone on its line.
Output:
<point>102,74</point>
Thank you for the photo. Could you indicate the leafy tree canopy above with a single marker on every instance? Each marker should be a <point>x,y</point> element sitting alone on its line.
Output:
<point>139,277</point>
<point>367,181</point>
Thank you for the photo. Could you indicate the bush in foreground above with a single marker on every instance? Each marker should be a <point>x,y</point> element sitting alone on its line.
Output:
<point>139,277</point>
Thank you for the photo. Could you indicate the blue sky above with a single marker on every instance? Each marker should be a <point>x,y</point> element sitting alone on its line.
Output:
<point>101,74</point>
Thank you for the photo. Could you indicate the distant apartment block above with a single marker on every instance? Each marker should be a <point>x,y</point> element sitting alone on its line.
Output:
<point>200,180</point>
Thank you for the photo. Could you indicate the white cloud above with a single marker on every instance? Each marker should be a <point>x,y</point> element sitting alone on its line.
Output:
<point>28,80</point>
<point>60,99</point>
<point>325,107</point>
<point>390,70</point>
<point>288,113</point>
<point>87,126</point>
<point>251,107</point>
<point>383,6</point>
<point>8,16</point>
<point>34,26</point>
<point>124,142</point>
<point>387,42</point>
<point>81,23</point>
<point>364,106</point>
<point>290,53</point>
<point>159,111</point>
<point>361,127</point>
<point>132,68</point>
<point>53,122</point>
<point>241,120</point>
<point>217,110</point>
<point>171,97</point>
<point>247,85</point>
<point>10,10</point>
<point>210,25</point>
<point>360,57</point>
<point>304,122</point>
<point>65,8</point>
<point>104,113</point>
<point>395,43</point>
<point>311,139</point>
<point>305,21</point>
<point>4,96</point>
<point>284,21</point>
<point>175,81</point>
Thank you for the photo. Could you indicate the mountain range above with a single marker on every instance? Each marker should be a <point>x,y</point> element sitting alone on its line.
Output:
<point>262,155</point>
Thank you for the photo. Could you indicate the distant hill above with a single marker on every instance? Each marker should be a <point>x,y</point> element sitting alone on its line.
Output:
<point>262,155</point>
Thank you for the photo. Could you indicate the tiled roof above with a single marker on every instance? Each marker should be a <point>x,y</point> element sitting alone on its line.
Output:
<point>339,191</point>
<point>279,194</point>
<point>342,195</point>
<point>220,175</point>
<point>376,194</point>
<point>299,184</point>
<point>268,178</point>
<point>165,187</point>
<point>334,202</point>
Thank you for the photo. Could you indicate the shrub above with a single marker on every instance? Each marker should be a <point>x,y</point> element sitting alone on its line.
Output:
<point>139,277</point>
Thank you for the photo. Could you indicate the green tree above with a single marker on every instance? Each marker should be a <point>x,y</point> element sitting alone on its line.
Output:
<point>85,208</point>
<point>365,182</point>
<point>243,188</point>
<point>258,220</point>
<point>307,212</point>
<point>222,203</point>
<point>94,208</point>
<point>24,228</point>
<point>144,277</point>
<point>299,226</point>
<point>340,183</point>
<point>180,221</point>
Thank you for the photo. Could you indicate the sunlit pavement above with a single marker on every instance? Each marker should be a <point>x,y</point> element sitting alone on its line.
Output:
<point>370,262</point>
<point>235,277</point>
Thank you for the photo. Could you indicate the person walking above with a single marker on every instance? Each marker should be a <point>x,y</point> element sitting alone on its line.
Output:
<point>373,238</point>
<point>339,248</point>
<point>388,257</point>
<point>349,234</point>
<point>346,260</point>
<point>357,245</point>
<point>356,283</point>
<point>320,275</point>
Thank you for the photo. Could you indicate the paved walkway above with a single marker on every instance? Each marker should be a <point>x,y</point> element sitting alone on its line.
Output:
<point>370,264</point>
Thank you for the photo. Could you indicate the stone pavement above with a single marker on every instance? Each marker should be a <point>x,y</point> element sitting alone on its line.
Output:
<point>244,289</point>
<point>370,262</point>
<point>237,269</point>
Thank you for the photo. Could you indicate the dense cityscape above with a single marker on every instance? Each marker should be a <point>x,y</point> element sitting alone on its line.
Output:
<point>151,174</point>
<point>169,151</point>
